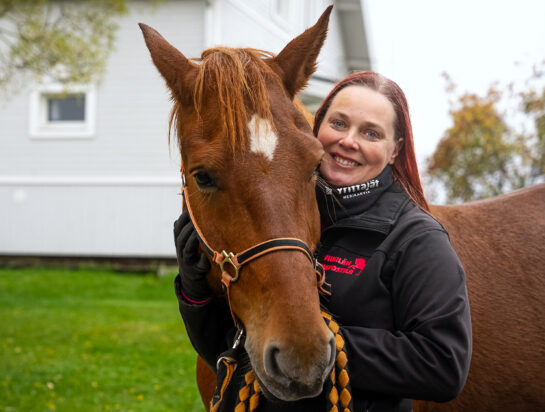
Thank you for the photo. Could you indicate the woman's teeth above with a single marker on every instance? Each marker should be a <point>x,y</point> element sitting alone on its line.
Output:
<point>344,162</point>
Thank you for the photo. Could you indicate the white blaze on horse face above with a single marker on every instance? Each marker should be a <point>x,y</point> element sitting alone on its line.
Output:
<point>263,139</point>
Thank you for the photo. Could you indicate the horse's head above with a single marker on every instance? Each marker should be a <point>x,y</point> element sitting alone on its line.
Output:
<point>249,156</point>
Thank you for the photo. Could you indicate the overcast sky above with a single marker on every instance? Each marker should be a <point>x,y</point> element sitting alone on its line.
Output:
<point>476,42</point>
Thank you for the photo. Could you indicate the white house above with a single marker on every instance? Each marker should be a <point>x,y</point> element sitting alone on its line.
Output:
<point>91,174</point>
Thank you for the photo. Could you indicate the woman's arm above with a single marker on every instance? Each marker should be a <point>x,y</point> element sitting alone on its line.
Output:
<point>206,324</point>
<point>207,319</point>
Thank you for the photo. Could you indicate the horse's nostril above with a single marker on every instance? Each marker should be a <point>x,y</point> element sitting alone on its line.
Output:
<point>271,362</point>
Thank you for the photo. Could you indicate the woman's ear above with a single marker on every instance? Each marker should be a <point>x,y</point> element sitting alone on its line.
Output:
<point>397,149</point>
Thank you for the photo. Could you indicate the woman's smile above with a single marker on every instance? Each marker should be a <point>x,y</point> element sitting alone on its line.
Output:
<point>344,161</point>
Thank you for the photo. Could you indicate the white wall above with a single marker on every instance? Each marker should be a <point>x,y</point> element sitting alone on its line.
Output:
<point>117,192</point>
<point>99,217</point>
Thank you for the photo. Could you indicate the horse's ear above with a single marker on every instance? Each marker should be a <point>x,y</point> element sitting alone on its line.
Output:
<point>178,71</point>
<point>297,61</point>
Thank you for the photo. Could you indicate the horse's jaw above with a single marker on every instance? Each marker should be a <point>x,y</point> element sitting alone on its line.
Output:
<point>287,380</point>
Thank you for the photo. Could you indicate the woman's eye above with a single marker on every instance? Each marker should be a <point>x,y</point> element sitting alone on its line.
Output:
<point>204,181</point>
<point>372,134</point>
<point>337,123</point>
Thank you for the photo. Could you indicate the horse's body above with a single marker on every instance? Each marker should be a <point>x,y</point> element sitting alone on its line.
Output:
<point>249,168</point>
<point>501,243</point>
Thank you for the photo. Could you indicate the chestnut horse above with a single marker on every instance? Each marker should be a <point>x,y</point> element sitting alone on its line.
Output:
<point>246,187</point>
<point>250,157</point>
<point>501,243</point>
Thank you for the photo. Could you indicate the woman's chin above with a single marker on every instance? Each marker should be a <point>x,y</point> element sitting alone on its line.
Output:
<point>340,179</point>
<point>340,176</point>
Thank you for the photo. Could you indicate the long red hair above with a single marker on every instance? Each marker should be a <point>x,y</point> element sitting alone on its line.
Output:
<point>405,169</point>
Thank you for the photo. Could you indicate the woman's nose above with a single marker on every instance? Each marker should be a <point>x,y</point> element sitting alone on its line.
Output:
<point>348,141</point>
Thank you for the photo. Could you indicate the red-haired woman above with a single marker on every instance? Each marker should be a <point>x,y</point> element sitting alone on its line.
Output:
<point>397,287</point>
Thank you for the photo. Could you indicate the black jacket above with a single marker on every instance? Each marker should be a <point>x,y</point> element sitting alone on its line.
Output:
<point>399,294</point>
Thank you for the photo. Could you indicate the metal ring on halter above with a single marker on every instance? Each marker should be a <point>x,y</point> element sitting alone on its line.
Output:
<point>228,258</point>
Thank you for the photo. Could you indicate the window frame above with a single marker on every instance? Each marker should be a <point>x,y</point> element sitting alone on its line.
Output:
<point>41,128</point>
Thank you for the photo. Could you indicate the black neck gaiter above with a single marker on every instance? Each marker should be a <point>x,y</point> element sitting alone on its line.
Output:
<point>335,203</point>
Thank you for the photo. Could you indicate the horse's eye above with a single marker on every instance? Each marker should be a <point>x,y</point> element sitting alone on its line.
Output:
<point>316,171</point>
<point>204,181</point>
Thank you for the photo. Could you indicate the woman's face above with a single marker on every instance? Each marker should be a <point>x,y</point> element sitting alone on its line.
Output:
<point>357,133</point>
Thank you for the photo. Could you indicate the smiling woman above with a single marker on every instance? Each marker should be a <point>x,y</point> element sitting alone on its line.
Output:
<point>358,136</point>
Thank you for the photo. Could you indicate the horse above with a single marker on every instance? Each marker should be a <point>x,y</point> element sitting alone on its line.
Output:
<point>250,157</point>
<point>500,242</point>
<point>247,187</point>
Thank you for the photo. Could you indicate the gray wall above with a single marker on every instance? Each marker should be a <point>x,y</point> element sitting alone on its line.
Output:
<point>115,193</point>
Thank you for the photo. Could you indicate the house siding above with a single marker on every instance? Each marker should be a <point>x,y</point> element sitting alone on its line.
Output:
<point>117,193</point>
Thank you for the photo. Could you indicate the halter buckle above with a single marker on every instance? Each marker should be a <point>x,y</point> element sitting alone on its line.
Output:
<point>229,258</point>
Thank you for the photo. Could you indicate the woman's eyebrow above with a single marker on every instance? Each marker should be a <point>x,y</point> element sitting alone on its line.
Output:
<point>374,125</point>
<point>366,123</point>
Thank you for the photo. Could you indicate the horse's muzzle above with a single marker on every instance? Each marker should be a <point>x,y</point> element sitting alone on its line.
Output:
<point>287,379</point>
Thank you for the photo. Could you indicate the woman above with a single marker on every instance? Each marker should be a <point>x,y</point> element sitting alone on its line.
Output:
<point>397,287</point>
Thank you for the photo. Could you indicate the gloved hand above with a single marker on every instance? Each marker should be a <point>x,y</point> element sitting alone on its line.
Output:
<point>193,265</point>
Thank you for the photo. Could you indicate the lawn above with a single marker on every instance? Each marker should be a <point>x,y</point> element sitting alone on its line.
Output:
<point>93,341</point>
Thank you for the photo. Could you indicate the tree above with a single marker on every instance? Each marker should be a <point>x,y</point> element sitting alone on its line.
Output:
<point>486,152</point>
<point>533,106</point>
<point>64,41</point>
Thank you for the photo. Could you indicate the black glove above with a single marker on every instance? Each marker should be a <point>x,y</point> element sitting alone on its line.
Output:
<point>192,264</point>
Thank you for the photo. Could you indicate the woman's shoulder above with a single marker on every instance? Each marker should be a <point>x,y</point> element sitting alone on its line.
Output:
<point>401,209</point>
<point>417,226</point>
<point>416,216</point>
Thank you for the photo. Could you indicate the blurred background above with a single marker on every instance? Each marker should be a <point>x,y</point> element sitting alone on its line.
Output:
<point>89,185</point>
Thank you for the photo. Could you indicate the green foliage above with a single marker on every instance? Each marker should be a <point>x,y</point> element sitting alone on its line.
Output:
<point>93,341</point>
<point>64,41</point>
<point>486,151</point>
<point>533,106</point>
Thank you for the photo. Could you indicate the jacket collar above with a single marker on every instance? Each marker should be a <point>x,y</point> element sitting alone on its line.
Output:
<point>338,203</point>
<point>382,215</point>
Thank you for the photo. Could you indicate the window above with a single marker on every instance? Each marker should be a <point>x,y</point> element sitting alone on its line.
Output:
<point>66,108</point>
<point>56,112</point>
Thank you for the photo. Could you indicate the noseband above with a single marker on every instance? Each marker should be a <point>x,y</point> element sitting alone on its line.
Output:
<point>242,258</point>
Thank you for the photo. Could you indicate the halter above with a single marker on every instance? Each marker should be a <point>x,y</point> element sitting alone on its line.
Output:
<point>242,258</point>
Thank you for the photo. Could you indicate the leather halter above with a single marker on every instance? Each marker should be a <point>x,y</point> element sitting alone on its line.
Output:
<point>239,259</point>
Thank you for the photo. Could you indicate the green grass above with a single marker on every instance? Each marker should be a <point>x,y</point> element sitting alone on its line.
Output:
<point>93,341</point>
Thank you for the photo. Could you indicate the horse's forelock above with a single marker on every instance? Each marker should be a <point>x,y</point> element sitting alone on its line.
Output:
<point>237,79</point>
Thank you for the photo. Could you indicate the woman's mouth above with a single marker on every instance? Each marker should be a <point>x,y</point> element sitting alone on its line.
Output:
<point>343,161</point>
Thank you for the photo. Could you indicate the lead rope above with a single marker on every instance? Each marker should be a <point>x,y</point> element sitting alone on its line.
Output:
<point>337,386</point>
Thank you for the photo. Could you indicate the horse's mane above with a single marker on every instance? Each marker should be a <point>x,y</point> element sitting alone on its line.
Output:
<point>236,78</point>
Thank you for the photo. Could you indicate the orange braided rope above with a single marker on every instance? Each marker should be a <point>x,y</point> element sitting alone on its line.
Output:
<point>340,393</point>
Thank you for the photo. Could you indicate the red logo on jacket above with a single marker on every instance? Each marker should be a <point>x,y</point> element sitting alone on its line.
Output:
<point>342,265</point>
